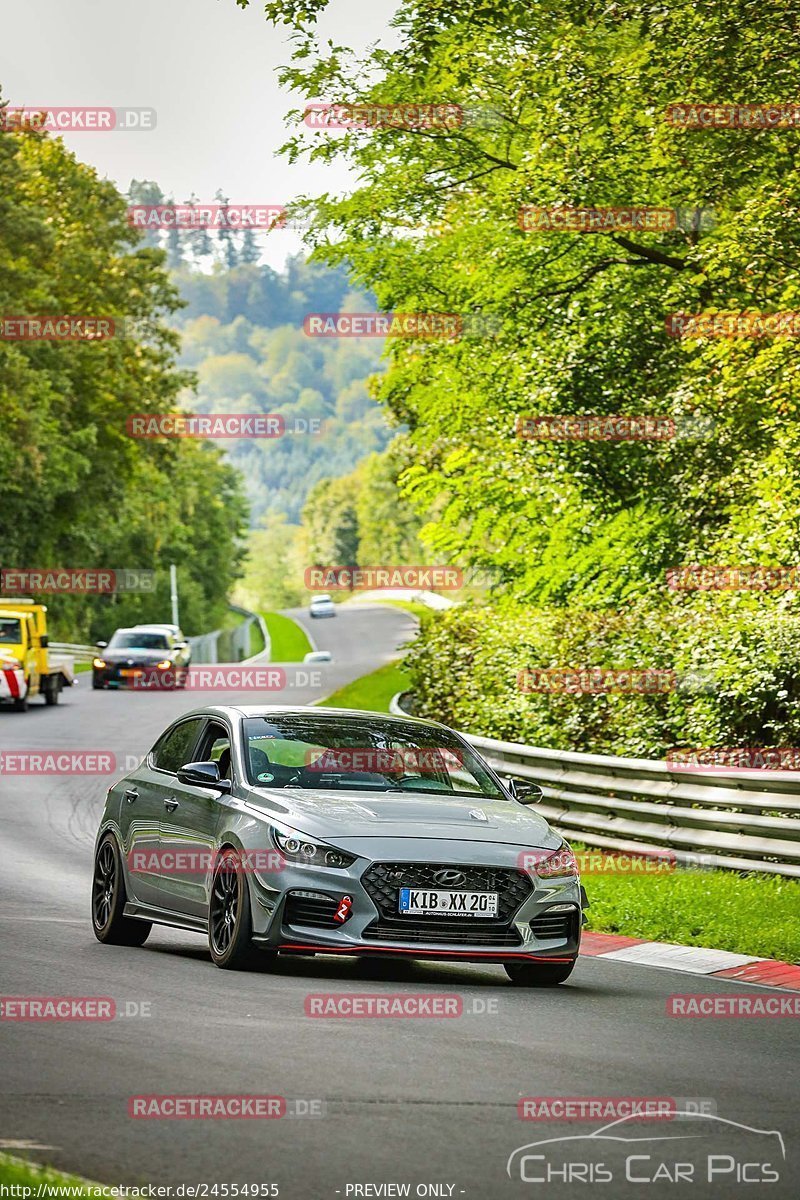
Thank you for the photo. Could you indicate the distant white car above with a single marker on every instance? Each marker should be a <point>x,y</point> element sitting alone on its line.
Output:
<point>322,606</point>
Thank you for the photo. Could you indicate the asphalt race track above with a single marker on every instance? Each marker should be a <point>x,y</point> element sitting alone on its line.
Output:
<point>429,1103</point>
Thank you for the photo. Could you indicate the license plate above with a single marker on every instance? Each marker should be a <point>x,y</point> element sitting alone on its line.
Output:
<point>127,672</point>
<point>447,904</point>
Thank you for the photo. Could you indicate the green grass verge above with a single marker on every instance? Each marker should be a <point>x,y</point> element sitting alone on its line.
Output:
<point>748,914</point>
<point>22,1174</point>
<point>289,640</point>
<point>80,668</point>
<point>372,692</point>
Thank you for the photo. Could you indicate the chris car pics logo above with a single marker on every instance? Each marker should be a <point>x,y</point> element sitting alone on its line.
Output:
<point>697,1147</point>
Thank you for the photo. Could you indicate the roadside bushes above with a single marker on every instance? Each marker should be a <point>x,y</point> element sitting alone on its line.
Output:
<point>736,683</point>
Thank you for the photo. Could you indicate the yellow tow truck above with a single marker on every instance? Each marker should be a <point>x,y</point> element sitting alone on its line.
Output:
<point>27,669</point>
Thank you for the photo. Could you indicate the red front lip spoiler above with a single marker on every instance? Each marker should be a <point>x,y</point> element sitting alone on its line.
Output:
<point>475,955</point>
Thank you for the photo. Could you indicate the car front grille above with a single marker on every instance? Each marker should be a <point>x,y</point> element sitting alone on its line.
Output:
<point>382,882</point>
<point>304,909</point>
<point>555,925</point>
<point>444,932</point>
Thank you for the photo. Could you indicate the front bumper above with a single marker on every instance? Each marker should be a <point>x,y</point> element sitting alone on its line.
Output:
<point>144,676</point>
<point>538,919</point>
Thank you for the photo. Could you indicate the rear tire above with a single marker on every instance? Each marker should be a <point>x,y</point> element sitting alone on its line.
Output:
<point>538,974</point>
<point>52,690</point>
<point>110,924</point>
<point>230,924</point>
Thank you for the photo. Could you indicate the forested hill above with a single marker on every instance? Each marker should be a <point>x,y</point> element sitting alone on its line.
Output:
<point>242,333</point>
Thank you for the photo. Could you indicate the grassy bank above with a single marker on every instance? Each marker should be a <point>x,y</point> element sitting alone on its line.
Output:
<point>748,914</point>
<point>372,692</point>
<point>17,1172</point>
<point>289,640</point>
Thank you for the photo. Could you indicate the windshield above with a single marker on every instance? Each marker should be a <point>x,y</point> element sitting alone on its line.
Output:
<point>362,754</point>
<point>10,631</point>
<point>139,641</point>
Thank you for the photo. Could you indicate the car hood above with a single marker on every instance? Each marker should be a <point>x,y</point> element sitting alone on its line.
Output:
<point>134,654</point>
<point>329,815</point>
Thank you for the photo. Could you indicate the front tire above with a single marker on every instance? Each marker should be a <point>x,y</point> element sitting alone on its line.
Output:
<point>110,924</point>
<point>539,974</point>
<point>52,690</point>
<point>230,924</point>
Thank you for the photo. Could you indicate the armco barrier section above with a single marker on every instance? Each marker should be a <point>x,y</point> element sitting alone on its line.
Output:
<point>231,645</point>
<point>221,645</point>
<point>739,820</point>
<point>745,820</point>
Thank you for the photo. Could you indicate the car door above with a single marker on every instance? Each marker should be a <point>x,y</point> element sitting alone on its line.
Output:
<point>189,828</point>
<point>156,780</point>
<point>140,812</point>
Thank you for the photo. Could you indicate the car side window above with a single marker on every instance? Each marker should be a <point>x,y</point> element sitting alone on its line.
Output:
<point>172,751</point>
<point>216,747</point>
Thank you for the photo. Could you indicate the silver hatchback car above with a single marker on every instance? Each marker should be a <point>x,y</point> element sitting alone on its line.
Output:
<point>308,830</point>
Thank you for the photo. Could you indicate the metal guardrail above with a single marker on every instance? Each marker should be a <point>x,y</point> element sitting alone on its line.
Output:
<point>739,820</point>
<point>80,653</point>
<point>205,647</point>
<point>231,645</point>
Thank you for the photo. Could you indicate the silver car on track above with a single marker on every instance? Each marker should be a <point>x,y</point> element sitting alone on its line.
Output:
<point>321,830</point>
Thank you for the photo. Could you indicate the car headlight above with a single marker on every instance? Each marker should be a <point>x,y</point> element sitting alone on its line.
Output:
<point>163,666</point>
<point>10,664</point>
<point>298,848</point>
<point>99,663</point>
<point>560,862</point>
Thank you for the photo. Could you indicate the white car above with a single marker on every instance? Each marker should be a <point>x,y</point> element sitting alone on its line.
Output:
<point>322,606</point>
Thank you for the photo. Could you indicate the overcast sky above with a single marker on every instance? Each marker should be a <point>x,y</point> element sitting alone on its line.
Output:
<point>206,66</point>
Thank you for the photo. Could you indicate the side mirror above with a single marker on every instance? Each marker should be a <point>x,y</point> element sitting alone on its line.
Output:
<point>101,645</point>
<point>203,774</point>
<point>526,793</point>
<point>44,641</point>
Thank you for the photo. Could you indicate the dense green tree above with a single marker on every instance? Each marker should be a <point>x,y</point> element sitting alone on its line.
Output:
<point>77,490</point>
<point>564,104</point>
